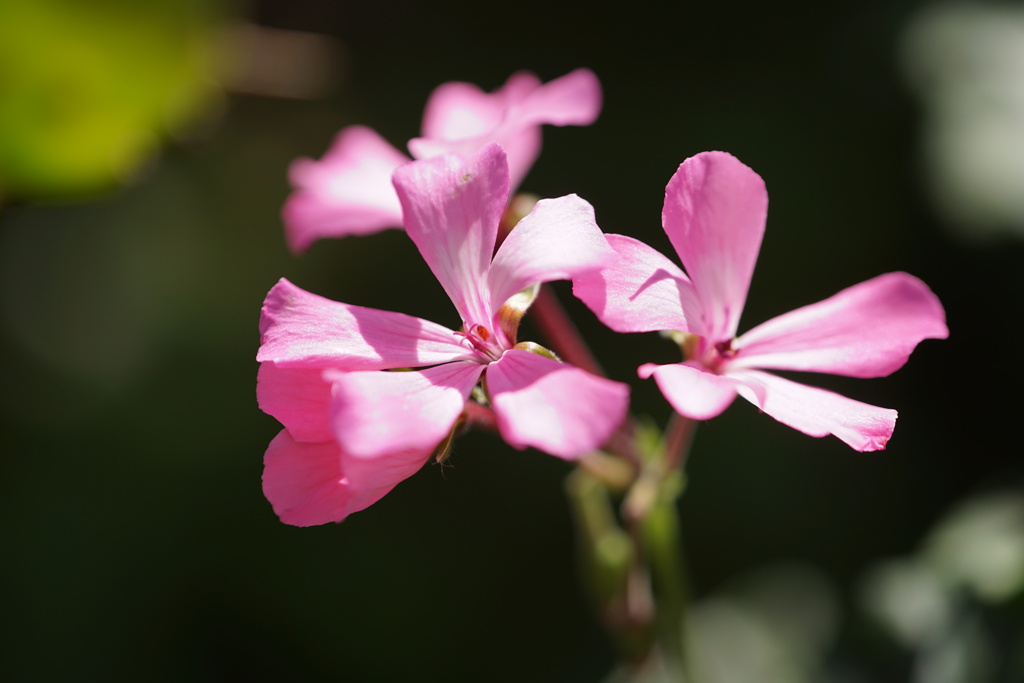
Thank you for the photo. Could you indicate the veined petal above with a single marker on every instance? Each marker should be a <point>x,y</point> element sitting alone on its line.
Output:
<point>300,329</point>
<point>715,212</point>
<point>299,398</point>
<point>692,391</point>
<point>392,418</point>
<point>555,241</point>
<point>557,408</point>
<point>867,330</point>
<point>641,291</point>
<point>452,207</point>
<point>818,412</point>
<point>347,192</point>
<point>304,481</point>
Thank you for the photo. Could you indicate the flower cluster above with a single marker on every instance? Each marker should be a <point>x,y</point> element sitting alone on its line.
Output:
<point>349,191</point>
<point>367,396</point>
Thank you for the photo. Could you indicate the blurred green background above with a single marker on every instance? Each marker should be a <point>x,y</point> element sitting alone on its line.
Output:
<point>143,157</point>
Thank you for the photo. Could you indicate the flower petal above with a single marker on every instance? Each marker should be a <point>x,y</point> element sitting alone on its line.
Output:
<point>867,330</point>
<point>555,241</point>
<point>818,412</point>
<point>304,482</point>
<point>642,291</point>
<point>389,417</point>
<point>715,212</point>
<point>457,111</point>
<point>347,192</point>
<point>299,398</point>
<point>462,118</point>
<point>452,207</point>
<point>555,407</point>
<point>572,100</point>
<point>693,392</point>
<point>300,329</point>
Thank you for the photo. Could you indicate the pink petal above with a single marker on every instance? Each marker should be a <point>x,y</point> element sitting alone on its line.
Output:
<point>692,391</point>
<point>299,398</point>
<point>867,330</point>
<point>393,418</point>
<point>818,412</point>
<point>304,482</point>
<point>715,211</point>
<point>642,291</point>
<point>572,100</point>
<point>348,192</point>
<point>557,240</point>
<point>452,207</point>
<point>462,118</point>
<point>300,329</point>
<point>522,145</point>
<point>456,111</point>
<point>555,407</point>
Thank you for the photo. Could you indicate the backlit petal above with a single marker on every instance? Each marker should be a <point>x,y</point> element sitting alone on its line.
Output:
<point>715,212</point>
<point>818,412</point>
<point>347,192</point>
<point>452,206</point>
<point>557,240</point>
<point>692,391</point>
<point>299,398</point>
<point>304,482</point>
<point>641,291</point>
<point>867,330</point>
<point>555,407</point>
<point>300,329</point>
<point>380,415</point>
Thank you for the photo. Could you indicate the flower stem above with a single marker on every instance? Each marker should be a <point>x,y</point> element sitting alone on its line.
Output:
<point>677,441</point>
<point>561,332</point>
<point>649,513</point>
<point>664,551</point>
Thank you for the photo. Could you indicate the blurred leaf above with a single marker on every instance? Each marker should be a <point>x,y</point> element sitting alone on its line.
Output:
<point>981,545</point>
<point>88,89</point>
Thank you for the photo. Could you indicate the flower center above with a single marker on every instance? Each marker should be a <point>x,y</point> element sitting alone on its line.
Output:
<point>481,340</point>
<point>711,356</point>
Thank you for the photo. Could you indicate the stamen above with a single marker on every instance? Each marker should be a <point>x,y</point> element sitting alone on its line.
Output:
<point>724,349</point>
<point>478,337</point>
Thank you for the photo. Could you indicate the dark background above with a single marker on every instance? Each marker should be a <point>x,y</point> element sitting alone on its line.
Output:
<point>136,541</point>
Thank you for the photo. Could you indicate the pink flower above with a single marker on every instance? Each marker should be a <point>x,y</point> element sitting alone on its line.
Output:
<point>366,396</point>
<point>349,191</point>
<point>715,210</point>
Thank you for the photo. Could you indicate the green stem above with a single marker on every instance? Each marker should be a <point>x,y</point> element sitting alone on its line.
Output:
<point>664,549</point>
